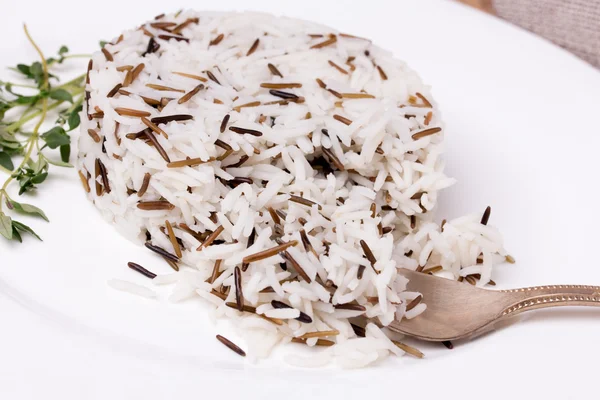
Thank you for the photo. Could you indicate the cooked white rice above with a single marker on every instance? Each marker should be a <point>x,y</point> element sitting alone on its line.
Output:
<point>352,103</point>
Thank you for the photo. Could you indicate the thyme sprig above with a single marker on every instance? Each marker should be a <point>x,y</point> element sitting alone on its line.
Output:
<point>32,150</point>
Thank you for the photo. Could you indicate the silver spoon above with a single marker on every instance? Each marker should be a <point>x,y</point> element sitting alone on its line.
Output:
<point>458,310</point>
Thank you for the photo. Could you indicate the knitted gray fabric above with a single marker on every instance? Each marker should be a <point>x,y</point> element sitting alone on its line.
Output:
<point>572,24</point>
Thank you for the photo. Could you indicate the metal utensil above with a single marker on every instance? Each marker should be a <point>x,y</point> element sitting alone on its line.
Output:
<point>457,310</point>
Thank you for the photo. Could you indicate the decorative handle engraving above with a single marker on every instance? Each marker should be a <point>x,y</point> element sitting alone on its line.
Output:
<point>547,297</point>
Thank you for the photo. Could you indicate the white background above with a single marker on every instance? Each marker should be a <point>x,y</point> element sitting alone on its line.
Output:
<point>522,136</point>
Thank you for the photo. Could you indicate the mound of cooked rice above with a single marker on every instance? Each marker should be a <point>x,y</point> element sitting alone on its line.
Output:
<point>285,169</point>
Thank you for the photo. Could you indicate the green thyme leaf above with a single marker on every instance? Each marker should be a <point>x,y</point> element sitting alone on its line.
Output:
<point>65,153</point>
<point>21,227</point>
<point>22,100</point>
<point>39,165</point>
<point>24,69</point>
<point>5,161</point>
<point>39,178</point>
<point>16,235</point>
<point>74,119</point>
<point>28,209</point>
<point>62,95</point>
<point>6,226</point>
<point>56,137</point>
<point>60,163</point>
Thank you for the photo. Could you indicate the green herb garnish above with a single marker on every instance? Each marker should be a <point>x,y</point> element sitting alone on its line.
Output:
<point>27,156</point>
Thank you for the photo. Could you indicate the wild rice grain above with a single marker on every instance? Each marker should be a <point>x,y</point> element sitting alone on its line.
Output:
<point>141,270</point>
<point>145,184</point>
<point>269,252</point>
<point>414,303</point>
<point>216,40</point>
<point>333,159</point>
<point>274,70</point>
<point>424,99</point>
<point>157,145</point>
<point>251,239</point>
<point>303,201</point>
<point>426,132</point>
<point>245,131</point>
<point>288,257</point>
<point>162,88</point>
<point>471,280</point>
<point>409,349</point>
<point>246,105</point>
<point>369,254</point>
<point>274,216</point>
<point>128,112</point>
<point>339,96</point>
<point>190,94</point>
<point>191,76</point>
<point>155,205</point>
<point>136,71</point>
<point>302,318</point>
<point>152,47</point>
<point>155,128</point>
<point>340,69</point>
<point>320,342</point>
<point>224,123</point>
<point>173,239</point>
<point>350,307</point>
<point>343,120</point>
<point>172,264</point>
<point>360,272</point>
<point>319,334</point>
<point>306,243</point>
<point>183,25</point>
<point>486,215</point>
<point>124,68</point>
<point>215,272</point>
<point>332,39</point>
<point>94,135</point>
<point>448,344</point>
<point>212,77</point>
<point>382,73</point>
<point>84,181</point>
<point>232,346</point>
<point>161,251</point>
<point>169,37</point>
<point>114,90</point>
<point>358,330</point>
<point>427,119</point>
<point>104,175</point>
<point>357,96</point>
<point>211,238</point>
<point>107,54</point>
<point>280,85</point>
<point>170,118</point>
<point>97,171</point>
<point>188,163</point>
<point>253,47</point>
<point>239,295</point>
<point>283,95</point>
<point>433,270</point>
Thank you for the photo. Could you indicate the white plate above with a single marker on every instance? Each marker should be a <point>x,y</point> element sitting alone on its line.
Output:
<point>522,136</point>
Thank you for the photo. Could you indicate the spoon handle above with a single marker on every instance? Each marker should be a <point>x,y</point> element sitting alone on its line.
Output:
<point>537,297</point>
